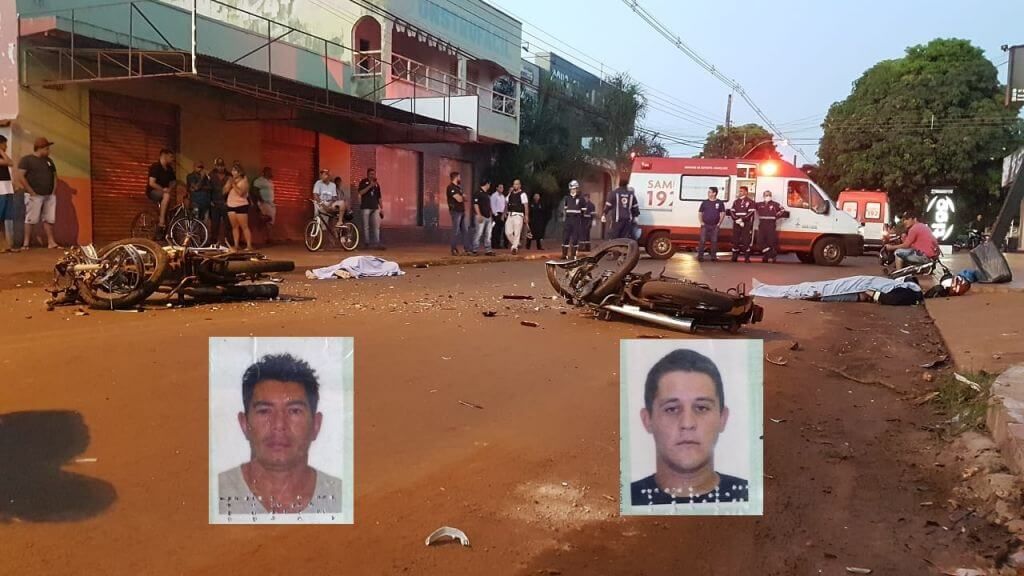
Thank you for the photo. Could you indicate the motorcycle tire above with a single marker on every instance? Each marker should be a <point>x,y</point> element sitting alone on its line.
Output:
<point>612,283</point>
<point>552,273</point>
<point>235,292</point>
<point>156,262</point>
<point>689,295</point>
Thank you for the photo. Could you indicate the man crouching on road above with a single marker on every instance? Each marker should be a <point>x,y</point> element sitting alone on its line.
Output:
<point>280,394</point>
<point>684,410</point>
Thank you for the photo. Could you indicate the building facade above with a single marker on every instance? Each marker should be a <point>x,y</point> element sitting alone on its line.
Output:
<point>413,89</point>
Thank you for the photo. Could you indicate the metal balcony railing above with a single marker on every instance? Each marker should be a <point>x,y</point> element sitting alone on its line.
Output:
<point>404,69</point>
<point>367,63</point>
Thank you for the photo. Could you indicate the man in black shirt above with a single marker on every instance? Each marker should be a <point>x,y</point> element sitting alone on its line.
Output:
<point>198,184</point>
<point>369,203</point>
<point>684,410</point>
<point>160,186</point>
<point>482,214</point>
<point>457,210</point>
<point>218,207</point>
<point>37,175</point>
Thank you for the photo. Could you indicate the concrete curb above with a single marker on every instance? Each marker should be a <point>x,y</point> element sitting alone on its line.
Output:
<point>1005,416</point>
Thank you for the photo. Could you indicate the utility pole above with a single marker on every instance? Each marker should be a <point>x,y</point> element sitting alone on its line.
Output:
<point>728,115</point>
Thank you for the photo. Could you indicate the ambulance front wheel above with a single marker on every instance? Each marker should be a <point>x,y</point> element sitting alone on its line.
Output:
<point>660,246</point>
<point>829,252</point>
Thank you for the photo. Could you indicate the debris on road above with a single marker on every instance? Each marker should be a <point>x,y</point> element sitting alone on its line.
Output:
<point>860,329</point>
<point>650,336</point>
<point>780,361</point>
<point>471,405</point>
<point>974,385</point>
<point>927,377</point>
<point>778,421</point>
<point>936,363</point>
<point>448,532</point>
<point>85,460</point>
<point>516,297</point>
<point>794,346</point>
<point>854,570</point>
<point>844,374</point>
<point>490,314</point>
<point>529,324</point>
<point>926,398</point>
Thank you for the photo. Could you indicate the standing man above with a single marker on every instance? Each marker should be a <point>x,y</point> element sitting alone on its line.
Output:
<point>742,212</point>
<point>572,214</point>
<point>625,208</point>
<point>369,203</point>
<point>6,198</point>
<point>457,211</point>
<point>499,203</point>
<point>218,205</point>
<point>768,213</point>
<point>538,221</point>
<point>518,215</point>
<point>37,174</point>
<point>198,184</point>
<point>482,214</point>
<point>588,222</point>
<point>160,187</point>
<point>264,188</point>
<point>712,212</point>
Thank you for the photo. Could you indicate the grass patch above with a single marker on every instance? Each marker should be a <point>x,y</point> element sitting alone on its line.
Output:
<point>964,406</point>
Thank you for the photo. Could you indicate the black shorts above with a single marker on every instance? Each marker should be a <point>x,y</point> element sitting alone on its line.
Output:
<point>155,196</point>
<point>239,209</point>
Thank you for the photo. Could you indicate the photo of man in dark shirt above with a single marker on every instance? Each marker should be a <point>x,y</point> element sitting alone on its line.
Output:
<point>685,412</point>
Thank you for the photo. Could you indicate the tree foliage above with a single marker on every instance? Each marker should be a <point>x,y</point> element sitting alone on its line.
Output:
<point>933,118</point>
<point>746,141</point>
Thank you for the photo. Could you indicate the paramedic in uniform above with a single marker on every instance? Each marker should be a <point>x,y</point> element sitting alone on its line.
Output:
<point>572,214</point>
<point>588,222</point>
<point>742,214</point>
<point>768,213</point>
<point>623,204</point>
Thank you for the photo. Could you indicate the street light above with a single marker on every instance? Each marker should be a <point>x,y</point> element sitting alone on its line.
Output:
<point>762,143</point>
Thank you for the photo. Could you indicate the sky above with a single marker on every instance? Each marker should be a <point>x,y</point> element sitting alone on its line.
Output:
<point>794,58</point>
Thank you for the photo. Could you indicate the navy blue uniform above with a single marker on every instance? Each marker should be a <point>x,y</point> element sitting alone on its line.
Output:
<point>742,213</point>
<point>573,207</point>
<point>768,213</point>
<point>588,224</point>
<point>623,204</point>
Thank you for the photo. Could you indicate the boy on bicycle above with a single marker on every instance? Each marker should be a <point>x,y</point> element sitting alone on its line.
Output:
<point>327,196</point>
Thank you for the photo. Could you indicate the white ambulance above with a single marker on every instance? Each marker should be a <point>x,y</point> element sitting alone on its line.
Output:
<point>670,191</point>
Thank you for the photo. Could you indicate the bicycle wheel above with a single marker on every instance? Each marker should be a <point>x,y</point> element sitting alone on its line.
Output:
<point>189,232</point>
<point>348,235</point>
<point>314,236</point>
<point>144,224</point>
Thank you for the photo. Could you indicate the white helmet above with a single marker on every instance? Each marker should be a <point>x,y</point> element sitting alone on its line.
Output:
<point>573,185</point>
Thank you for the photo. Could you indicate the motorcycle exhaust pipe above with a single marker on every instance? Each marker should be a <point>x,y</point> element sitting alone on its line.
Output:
<point>682,324</point>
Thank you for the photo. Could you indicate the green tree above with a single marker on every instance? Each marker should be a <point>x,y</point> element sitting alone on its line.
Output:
<point>622,106</point>
<point>933,118</point>
<point>746,141</point>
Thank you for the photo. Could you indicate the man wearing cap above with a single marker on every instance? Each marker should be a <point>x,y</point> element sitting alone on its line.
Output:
<point>573,207</point>
<point>37,175</point>
<point>919,245</point>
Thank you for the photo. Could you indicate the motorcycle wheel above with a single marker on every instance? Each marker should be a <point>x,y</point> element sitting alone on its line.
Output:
<point>148,268</point>
<point>243,292</point>
<point>560,276</point>
<point>628,253</point>
<point>687,296</point>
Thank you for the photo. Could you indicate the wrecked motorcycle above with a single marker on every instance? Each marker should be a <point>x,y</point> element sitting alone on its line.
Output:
<point>605,283</point>
<point>125,273</point>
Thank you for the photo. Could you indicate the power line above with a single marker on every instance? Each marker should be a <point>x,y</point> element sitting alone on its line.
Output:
<point>707,65</point>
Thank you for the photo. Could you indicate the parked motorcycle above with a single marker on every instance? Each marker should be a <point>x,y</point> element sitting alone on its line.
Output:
<point>604,282</point>
<point>969,241</point>
<point>125,273</point>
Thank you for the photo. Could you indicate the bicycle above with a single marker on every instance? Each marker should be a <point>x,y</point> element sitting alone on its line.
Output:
<point>184,228</point>
<point>346,235</point>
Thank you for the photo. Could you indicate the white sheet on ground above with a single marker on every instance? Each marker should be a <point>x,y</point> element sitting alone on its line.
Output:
<point>357,267</point>
<point>849,285</point>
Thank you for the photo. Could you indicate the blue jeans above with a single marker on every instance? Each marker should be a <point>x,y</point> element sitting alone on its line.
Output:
<point>458,228</point>
<point>912,256</point>
<point>371,226</point>
<point>483,231</point>
<point>708,233</point>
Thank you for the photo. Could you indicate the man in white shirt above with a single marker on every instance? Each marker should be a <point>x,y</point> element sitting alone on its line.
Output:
<point>264,187</point>
<point>498,206</point>
<point>326,195</point>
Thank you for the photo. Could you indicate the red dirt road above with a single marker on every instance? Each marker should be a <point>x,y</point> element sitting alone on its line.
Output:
<point>850,466</point>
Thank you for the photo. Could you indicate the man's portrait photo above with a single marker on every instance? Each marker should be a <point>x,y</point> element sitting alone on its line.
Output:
<point>281,430</point>
<point>692,421</point>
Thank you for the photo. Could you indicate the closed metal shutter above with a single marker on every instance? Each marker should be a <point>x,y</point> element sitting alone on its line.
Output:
<point>291,153</point>
<point>126,135</point>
